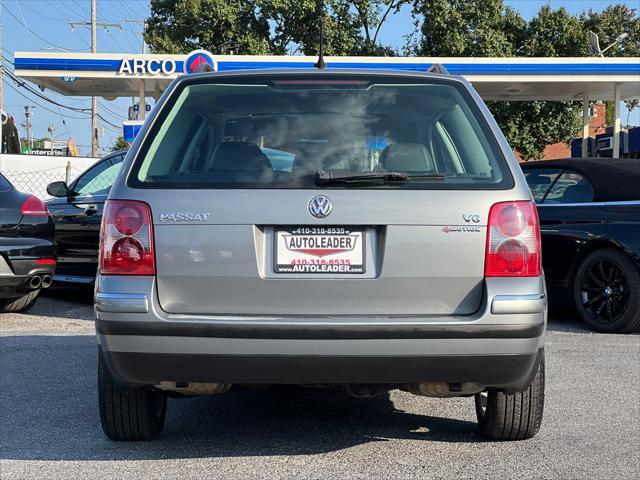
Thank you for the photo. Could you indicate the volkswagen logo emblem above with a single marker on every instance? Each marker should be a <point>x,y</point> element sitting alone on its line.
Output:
<point>320,206</point>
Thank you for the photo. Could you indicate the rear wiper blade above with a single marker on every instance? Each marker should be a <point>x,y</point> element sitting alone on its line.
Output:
<point>324,178</point>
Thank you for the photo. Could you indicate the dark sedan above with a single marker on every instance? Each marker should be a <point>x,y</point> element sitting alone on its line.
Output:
<point>589,213</point>
<point>77,211</point>
<point>27,248</point>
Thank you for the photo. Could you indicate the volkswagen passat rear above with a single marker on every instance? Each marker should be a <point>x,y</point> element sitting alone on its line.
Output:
<point>319,227</point>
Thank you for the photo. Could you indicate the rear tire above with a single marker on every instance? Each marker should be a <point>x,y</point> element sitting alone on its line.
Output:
<point>20,304</point>
<point>135,414</point>
<point>603,292</point>
<point>512,416</point>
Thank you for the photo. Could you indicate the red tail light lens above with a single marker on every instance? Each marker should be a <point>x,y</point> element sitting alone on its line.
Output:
<point>33,207</point>
<point>45,261</point>
<point>127,239</point>
<point>513,241</point>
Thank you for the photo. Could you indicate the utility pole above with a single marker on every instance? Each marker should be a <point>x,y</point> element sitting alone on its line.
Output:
<point>94,25</point>
<point>94,99</point>
<point>142,22</point>
<point>1,80</point>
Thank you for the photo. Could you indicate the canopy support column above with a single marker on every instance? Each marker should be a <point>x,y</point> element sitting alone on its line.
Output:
<point>616,120</point>
<point>585,124</point>
<point>142,106</point>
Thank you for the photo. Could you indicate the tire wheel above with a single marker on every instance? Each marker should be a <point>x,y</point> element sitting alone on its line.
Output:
<point>603,292</point>
<point>20,304</point>
<point>136,414</point>
<point>512,416</point>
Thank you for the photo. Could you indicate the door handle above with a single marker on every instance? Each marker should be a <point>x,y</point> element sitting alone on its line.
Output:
<point>91,210</point>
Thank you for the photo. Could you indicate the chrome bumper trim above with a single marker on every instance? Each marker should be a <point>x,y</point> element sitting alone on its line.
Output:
<point>510,304</point>
<point>122,302</point>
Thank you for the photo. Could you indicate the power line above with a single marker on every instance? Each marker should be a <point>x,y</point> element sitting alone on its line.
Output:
<point>58,5</point>
<point>12,87</point>
<point>29,31</point>
<point>77,4</point>
<point>25,5</point>
<point>22,84</point>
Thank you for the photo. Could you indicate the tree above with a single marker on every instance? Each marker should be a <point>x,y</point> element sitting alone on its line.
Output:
<point>489,28</point>
<point>120,144</point>
<point>444,27</point>
<point>36,143</point>
<point>466,28</point>
<point>608,24</point>
<point>276,27</point>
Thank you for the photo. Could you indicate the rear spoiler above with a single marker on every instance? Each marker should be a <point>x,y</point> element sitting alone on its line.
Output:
<point>438,68</point>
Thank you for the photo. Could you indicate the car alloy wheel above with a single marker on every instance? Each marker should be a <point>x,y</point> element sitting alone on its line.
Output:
<point>604,291</point>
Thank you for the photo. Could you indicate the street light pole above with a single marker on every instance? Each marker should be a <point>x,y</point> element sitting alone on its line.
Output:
<point>27,126</point>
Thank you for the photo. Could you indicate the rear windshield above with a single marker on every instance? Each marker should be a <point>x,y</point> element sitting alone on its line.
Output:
<point>281,132</point>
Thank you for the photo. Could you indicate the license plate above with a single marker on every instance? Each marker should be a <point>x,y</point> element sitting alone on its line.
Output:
<point>335,250</point>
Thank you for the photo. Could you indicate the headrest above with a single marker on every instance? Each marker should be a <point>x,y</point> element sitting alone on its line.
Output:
<point>407,157</point>
<point>239,157</point>
<point>578,193</point>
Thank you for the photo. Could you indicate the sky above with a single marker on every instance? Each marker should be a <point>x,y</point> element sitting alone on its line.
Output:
<point>42,25</point>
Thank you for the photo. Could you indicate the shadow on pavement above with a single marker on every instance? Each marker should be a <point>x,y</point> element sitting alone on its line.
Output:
<point>566,320</point>
<point>81,295</point>
<point>48,411</point>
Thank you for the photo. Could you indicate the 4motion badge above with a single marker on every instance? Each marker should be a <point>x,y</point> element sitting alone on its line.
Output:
<point>459,228</point>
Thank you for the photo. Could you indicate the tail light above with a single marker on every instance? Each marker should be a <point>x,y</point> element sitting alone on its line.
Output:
<point>513,241</point>
<point>127,239</point>
<point>34,207</point>
<point>45,261</point>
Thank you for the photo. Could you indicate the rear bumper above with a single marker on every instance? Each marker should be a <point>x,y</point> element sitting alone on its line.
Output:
<point>508,372</point>
<point>14,278</point>
<point>496,348</point>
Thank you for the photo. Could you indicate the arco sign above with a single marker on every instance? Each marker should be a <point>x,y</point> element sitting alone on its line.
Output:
<point>195,62</point>
<point>141,66</point>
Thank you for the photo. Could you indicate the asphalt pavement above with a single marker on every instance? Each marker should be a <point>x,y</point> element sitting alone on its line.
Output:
<point>49,423</point>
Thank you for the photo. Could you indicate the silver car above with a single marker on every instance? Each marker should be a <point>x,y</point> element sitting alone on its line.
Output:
<point>364,228</point>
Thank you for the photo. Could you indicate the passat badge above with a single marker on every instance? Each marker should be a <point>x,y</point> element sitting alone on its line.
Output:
<point>184,217</point>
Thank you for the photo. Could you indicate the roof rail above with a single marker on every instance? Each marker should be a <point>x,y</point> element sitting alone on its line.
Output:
<point>438,68</point>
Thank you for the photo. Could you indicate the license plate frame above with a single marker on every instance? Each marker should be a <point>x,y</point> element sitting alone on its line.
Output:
<point>349,244</point>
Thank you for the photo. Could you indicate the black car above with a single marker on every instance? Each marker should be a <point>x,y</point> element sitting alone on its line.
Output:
<point>27,248</point>
<point>77,212</point>
<point>589,213</point>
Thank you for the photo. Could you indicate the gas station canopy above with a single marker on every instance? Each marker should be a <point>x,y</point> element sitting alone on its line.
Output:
<point>111,75</point>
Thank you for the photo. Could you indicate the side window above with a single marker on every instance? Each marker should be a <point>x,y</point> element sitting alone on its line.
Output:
<point>4,184</point>
<point>540,180</point>
<point>99,179</point>
<point>570,187</point>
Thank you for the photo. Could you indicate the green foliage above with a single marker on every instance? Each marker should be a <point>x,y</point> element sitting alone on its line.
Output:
<point>36,143</point>
<point>611,22</point>
<point>277,27</point>
<point>531,126</point>
<point>443,28</point>
<point>120,144</point>
<point>460,28</point>
<point>489,28</point>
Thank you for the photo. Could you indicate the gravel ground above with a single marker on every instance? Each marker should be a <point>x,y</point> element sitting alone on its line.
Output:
<point>49,425</point>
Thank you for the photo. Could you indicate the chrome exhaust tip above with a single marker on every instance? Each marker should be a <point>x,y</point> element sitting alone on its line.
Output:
<point>35,282</point>
<point>47,280</point>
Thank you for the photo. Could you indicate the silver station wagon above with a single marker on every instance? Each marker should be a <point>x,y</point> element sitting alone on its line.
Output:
<point>364,228</point>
